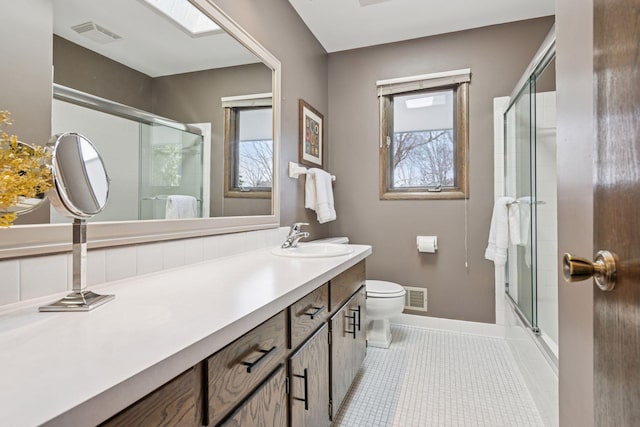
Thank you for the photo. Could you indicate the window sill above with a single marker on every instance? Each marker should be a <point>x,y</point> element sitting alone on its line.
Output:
<point>247,194</point>
<point>423,195</point>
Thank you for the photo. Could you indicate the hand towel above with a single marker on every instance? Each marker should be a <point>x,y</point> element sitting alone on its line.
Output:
<point>181,207</point>
<point>499,232</point>
<point>319,195</point>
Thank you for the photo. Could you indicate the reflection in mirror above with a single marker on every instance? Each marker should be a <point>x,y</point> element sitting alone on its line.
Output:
<point>176,80</point>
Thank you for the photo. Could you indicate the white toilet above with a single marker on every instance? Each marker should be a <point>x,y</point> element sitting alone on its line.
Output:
<point>384,300</point>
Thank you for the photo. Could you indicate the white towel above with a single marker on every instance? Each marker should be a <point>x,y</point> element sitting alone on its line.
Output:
<point>319,195</point>
<point>504,222</point>
<point>181,207</point>
<point>526,204</point>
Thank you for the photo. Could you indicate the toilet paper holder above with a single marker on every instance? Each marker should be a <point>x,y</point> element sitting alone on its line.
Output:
<point>427,244</point>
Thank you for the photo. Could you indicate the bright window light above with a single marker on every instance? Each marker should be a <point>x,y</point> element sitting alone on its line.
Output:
<point>426,101</point>
<point>186,15</point>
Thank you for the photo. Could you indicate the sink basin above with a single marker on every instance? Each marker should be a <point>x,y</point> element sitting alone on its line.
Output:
<point>314,250</point>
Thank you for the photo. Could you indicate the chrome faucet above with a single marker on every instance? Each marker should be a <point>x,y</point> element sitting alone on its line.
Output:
<point>295,235</point>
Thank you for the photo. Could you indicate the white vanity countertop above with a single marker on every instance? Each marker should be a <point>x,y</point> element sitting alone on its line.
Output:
<point>80,368</point>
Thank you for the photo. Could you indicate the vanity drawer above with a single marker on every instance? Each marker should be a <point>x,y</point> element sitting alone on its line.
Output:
<point>346,284</point>
<point>308,314</point>
<point>237,369</point>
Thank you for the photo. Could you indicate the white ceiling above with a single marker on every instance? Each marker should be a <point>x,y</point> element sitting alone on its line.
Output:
<point>151,43</point>
<point>345,24</point>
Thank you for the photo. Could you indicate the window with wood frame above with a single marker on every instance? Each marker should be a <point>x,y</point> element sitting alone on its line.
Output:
<point>248,146</point>
<point>424,134</point>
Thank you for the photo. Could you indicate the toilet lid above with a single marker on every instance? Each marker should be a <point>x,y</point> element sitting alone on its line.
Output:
<point>381,288</point>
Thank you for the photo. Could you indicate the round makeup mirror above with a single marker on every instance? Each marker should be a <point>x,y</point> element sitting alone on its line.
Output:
<point>81,191</point>
<point>81,180</point>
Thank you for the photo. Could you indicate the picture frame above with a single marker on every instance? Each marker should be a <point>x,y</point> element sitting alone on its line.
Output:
<point>311,146</point>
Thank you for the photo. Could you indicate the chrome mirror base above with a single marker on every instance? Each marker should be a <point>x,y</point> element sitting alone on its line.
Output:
<point>78,301</point>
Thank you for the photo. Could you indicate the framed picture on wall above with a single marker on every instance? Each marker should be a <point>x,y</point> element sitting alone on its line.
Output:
<point>311,136</point>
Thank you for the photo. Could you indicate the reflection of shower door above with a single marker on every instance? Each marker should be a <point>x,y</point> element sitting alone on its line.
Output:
<point>521,185</point>
<point>171,163</point>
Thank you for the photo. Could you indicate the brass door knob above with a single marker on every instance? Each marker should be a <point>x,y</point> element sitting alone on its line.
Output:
<point>602,269</point>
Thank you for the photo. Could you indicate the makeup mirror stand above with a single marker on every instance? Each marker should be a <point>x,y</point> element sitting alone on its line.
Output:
<point>81,191</point>
<point>80,299</point>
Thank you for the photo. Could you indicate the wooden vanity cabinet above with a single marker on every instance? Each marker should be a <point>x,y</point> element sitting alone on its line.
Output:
<point>177,403</point>
<point>234,372</point>
<point>309,382</point>
<point>348,347</point>
<point>294,369</point>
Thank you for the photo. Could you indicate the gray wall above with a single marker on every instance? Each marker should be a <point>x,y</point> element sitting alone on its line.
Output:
<point>277,26</point>
<point>90,72</point>
<point>574,68</point>
<point>497,56</point>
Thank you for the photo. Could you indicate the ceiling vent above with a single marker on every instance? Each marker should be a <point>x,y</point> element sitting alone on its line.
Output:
<point>96,32</point>
<point>364,3</point>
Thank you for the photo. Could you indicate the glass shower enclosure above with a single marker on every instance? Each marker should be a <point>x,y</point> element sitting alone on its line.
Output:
<point>531,180</point>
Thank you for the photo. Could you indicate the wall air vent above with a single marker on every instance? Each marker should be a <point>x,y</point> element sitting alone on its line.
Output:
<point>96,32</point>
<point>415,299</point>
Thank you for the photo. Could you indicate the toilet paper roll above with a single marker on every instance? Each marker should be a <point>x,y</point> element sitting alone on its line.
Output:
<point>428,244</point>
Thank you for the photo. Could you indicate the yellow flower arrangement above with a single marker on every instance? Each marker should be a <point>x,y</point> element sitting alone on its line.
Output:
<point>24,172</point>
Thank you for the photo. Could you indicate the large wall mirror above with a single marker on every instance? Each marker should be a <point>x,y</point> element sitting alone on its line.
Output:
<point>183,105</point>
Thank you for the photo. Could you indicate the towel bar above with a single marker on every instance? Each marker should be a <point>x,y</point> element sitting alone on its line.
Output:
<point>295,170</point>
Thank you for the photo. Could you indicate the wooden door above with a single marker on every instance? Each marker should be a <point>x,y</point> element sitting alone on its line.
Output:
<point>348,347</point>
<point>309,382</point>
<point>616,56</point>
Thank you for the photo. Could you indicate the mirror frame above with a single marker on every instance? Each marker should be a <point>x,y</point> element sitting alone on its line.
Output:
<point>41,239</point>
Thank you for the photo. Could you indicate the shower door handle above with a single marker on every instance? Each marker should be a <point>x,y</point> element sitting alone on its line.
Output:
<point>602,269</point>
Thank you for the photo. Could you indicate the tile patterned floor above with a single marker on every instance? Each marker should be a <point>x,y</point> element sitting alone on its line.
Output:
<point>439,378</point>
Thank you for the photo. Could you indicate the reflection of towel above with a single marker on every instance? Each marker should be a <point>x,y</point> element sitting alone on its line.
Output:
<point>319,195</point>
<point>526,204</point>
<point>504,222</point>
<point>181,207</point>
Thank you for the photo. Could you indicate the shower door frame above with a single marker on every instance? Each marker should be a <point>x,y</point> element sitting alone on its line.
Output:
<point>543,57</point>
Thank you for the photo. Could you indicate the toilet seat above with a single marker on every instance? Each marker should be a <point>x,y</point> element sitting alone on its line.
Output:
<point>384,289</point>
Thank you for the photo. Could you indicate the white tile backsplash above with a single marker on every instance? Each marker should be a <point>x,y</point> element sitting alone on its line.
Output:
<point>173,254</point>
<point>121,263</point>
<point>27,278</point>
<point>9,281</point>
<point>40,276</point>
<point>149,258</point>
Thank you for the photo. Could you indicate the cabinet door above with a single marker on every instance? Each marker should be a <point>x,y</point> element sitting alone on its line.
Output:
<point>309,382</point>
<point>348,347</point>
<point>266,407</point>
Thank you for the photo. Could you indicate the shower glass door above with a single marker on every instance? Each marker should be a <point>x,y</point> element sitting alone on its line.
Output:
<point>520,167</point>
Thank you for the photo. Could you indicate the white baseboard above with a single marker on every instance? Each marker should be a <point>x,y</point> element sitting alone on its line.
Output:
<point>462,326</point>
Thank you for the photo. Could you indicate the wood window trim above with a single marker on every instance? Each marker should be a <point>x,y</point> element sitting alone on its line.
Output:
<point>230,133</point>
<point>461,127</point>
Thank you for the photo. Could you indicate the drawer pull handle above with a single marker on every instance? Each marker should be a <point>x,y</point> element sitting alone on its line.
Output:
<point>306,390</point>
<point>354,324</point>
<point>357,310</point>
<point>253,365</point>
<point>317,311</point>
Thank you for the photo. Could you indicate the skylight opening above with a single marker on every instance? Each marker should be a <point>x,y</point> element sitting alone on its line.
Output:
<point>186,15</point>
